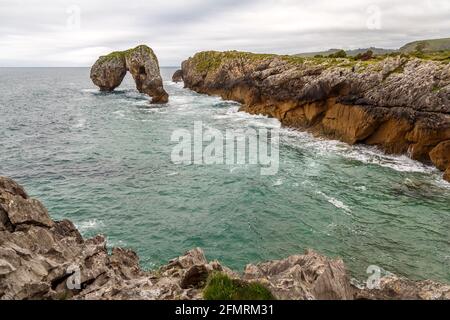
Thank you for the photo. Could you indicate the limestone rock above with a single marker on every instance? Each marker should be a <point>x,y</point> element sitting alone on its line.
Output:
<point>396,288</point>
<point>108,72</point>
<point>45,259</point>
<point>303,277</point>
<point>177,76</point>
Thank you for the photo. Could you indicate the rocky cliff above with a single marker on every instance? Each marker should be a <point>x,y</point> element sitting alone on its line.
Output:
<point>108,72</point>
<point>398,103</point>
<point>45,259</point>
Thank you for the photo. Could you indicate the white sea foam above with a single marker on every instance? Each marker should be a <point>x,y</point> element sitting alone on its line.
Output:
<point>80,123</point>
<point>277,183</point>
<point>364,154</point>
<point>88,225</point>
<point>90,90</point>
<point>335,202</point>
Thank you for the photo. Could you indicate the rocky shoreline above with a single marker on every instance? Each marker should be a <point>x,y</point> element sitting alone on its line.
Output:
<point>399,103</point>
<point>45,259</point>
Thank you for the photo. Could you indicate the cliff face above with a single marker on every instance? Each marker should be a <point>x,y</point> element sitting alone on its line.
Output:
<point>398,103</point>
<point>108,72</point>
<point>45,259</point>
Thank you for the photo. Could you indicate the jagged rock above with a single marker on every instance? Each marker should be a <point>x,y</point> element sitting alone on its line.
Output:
<point>195,276</point>
<point>400,104</point>
<point>16,208</point>
<point>108,72</point>
<point>177,76</point>
<point>303,277</point>
<point>45,259</point>
<point>395,288</point>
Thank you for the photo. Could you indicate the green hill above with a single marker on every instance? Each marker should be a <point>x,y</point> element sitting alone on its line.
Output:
<point>427,46</point>
<point>351,53</point>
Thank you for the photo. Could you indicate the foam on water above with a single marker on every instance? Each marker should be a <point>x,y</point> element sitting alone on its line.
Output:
<point>89,225</point>
<point>103,161</point>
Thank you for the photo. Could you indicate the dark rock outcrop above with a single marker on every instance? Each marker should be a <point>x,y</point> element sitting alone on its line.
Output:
<point>400,104</point>
<point>178,76</point>
<point>108,72</point>
<point>45,259</point>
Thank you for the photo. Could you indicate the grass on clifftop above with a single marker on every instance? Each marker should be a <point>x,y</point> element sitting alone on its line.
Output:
<point>211,60</point>
<point>221,287</point>
<point>125,53</point>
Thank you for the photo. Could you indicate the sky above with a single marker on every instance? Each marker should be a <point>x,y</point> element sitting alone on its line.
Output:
<point>76,32</point>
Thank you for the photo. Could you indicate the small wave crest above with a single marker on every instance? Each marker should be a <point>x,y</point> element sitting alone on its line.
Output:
<point>335,202</point>
<point>89,225</point>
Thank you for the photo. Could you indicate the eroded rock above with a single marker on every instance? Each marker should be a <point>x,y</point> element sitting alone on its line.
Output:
<point>108,72</point>
<point>399,104</point>
<point>45,259</point>
<point>440,156</point>
<point>178,76</point>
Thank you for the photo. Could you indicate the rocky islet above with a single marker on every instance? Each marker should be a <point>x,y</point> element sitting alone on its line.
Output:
<point>108,72</point>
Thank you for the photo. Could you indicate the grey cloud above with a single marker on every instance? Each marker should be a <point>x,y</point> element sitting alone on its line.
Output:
<point>36,32</point>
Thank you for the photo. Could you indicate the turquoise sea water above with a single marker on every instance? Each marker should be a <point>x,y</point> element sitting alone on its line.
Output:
<point>103,161</point>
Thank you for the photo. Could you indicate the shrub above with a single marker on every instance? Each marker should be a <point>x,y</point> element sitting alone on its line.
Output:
<point>339,54</point>
<point>365,56</point>
<point>221,287</point>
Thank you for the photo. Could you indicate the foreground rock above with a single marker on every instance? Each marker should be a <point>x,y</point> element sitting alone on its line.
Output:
<point>400,104</point>
<point>45,259</point>
<point>108,72</point>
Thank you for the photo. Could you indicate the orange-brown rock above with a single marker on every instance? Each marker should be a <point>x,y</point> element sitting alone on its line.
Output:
<point>447,174</point>
<point>399,104</point>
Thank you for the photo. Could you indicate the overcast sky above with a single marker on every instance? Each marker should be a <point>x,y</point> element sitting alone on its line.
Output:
<point>76,32</point>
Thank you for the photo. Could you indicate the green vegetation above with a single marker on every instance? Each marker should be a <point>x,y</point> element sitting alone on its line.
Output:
<point>211,60</point>
<point>339,54</point>
<point>426,46</point>
<point>123,54</point>
<point>443,56</point>
<point>350,53</point>
<point>221,287</point>
<point>208,61</point>
<point>364,56</point>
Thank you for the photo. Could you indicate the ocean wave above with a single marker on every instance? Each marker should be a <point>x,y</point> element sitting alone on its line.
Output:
<point>335,202</point>
<point>88,225</point>
<point>361,153</point>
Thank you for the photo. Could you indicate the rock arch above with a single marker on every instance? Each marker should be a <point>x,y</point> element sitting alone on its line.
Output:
<point>108,72</point>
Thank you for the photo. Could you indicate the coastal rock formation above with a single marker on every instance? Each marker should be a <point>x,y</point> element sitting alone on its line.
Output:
<point>45,259</point>
<point>399,104</point>
<point>108,72</point>
<point>177,76</point>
